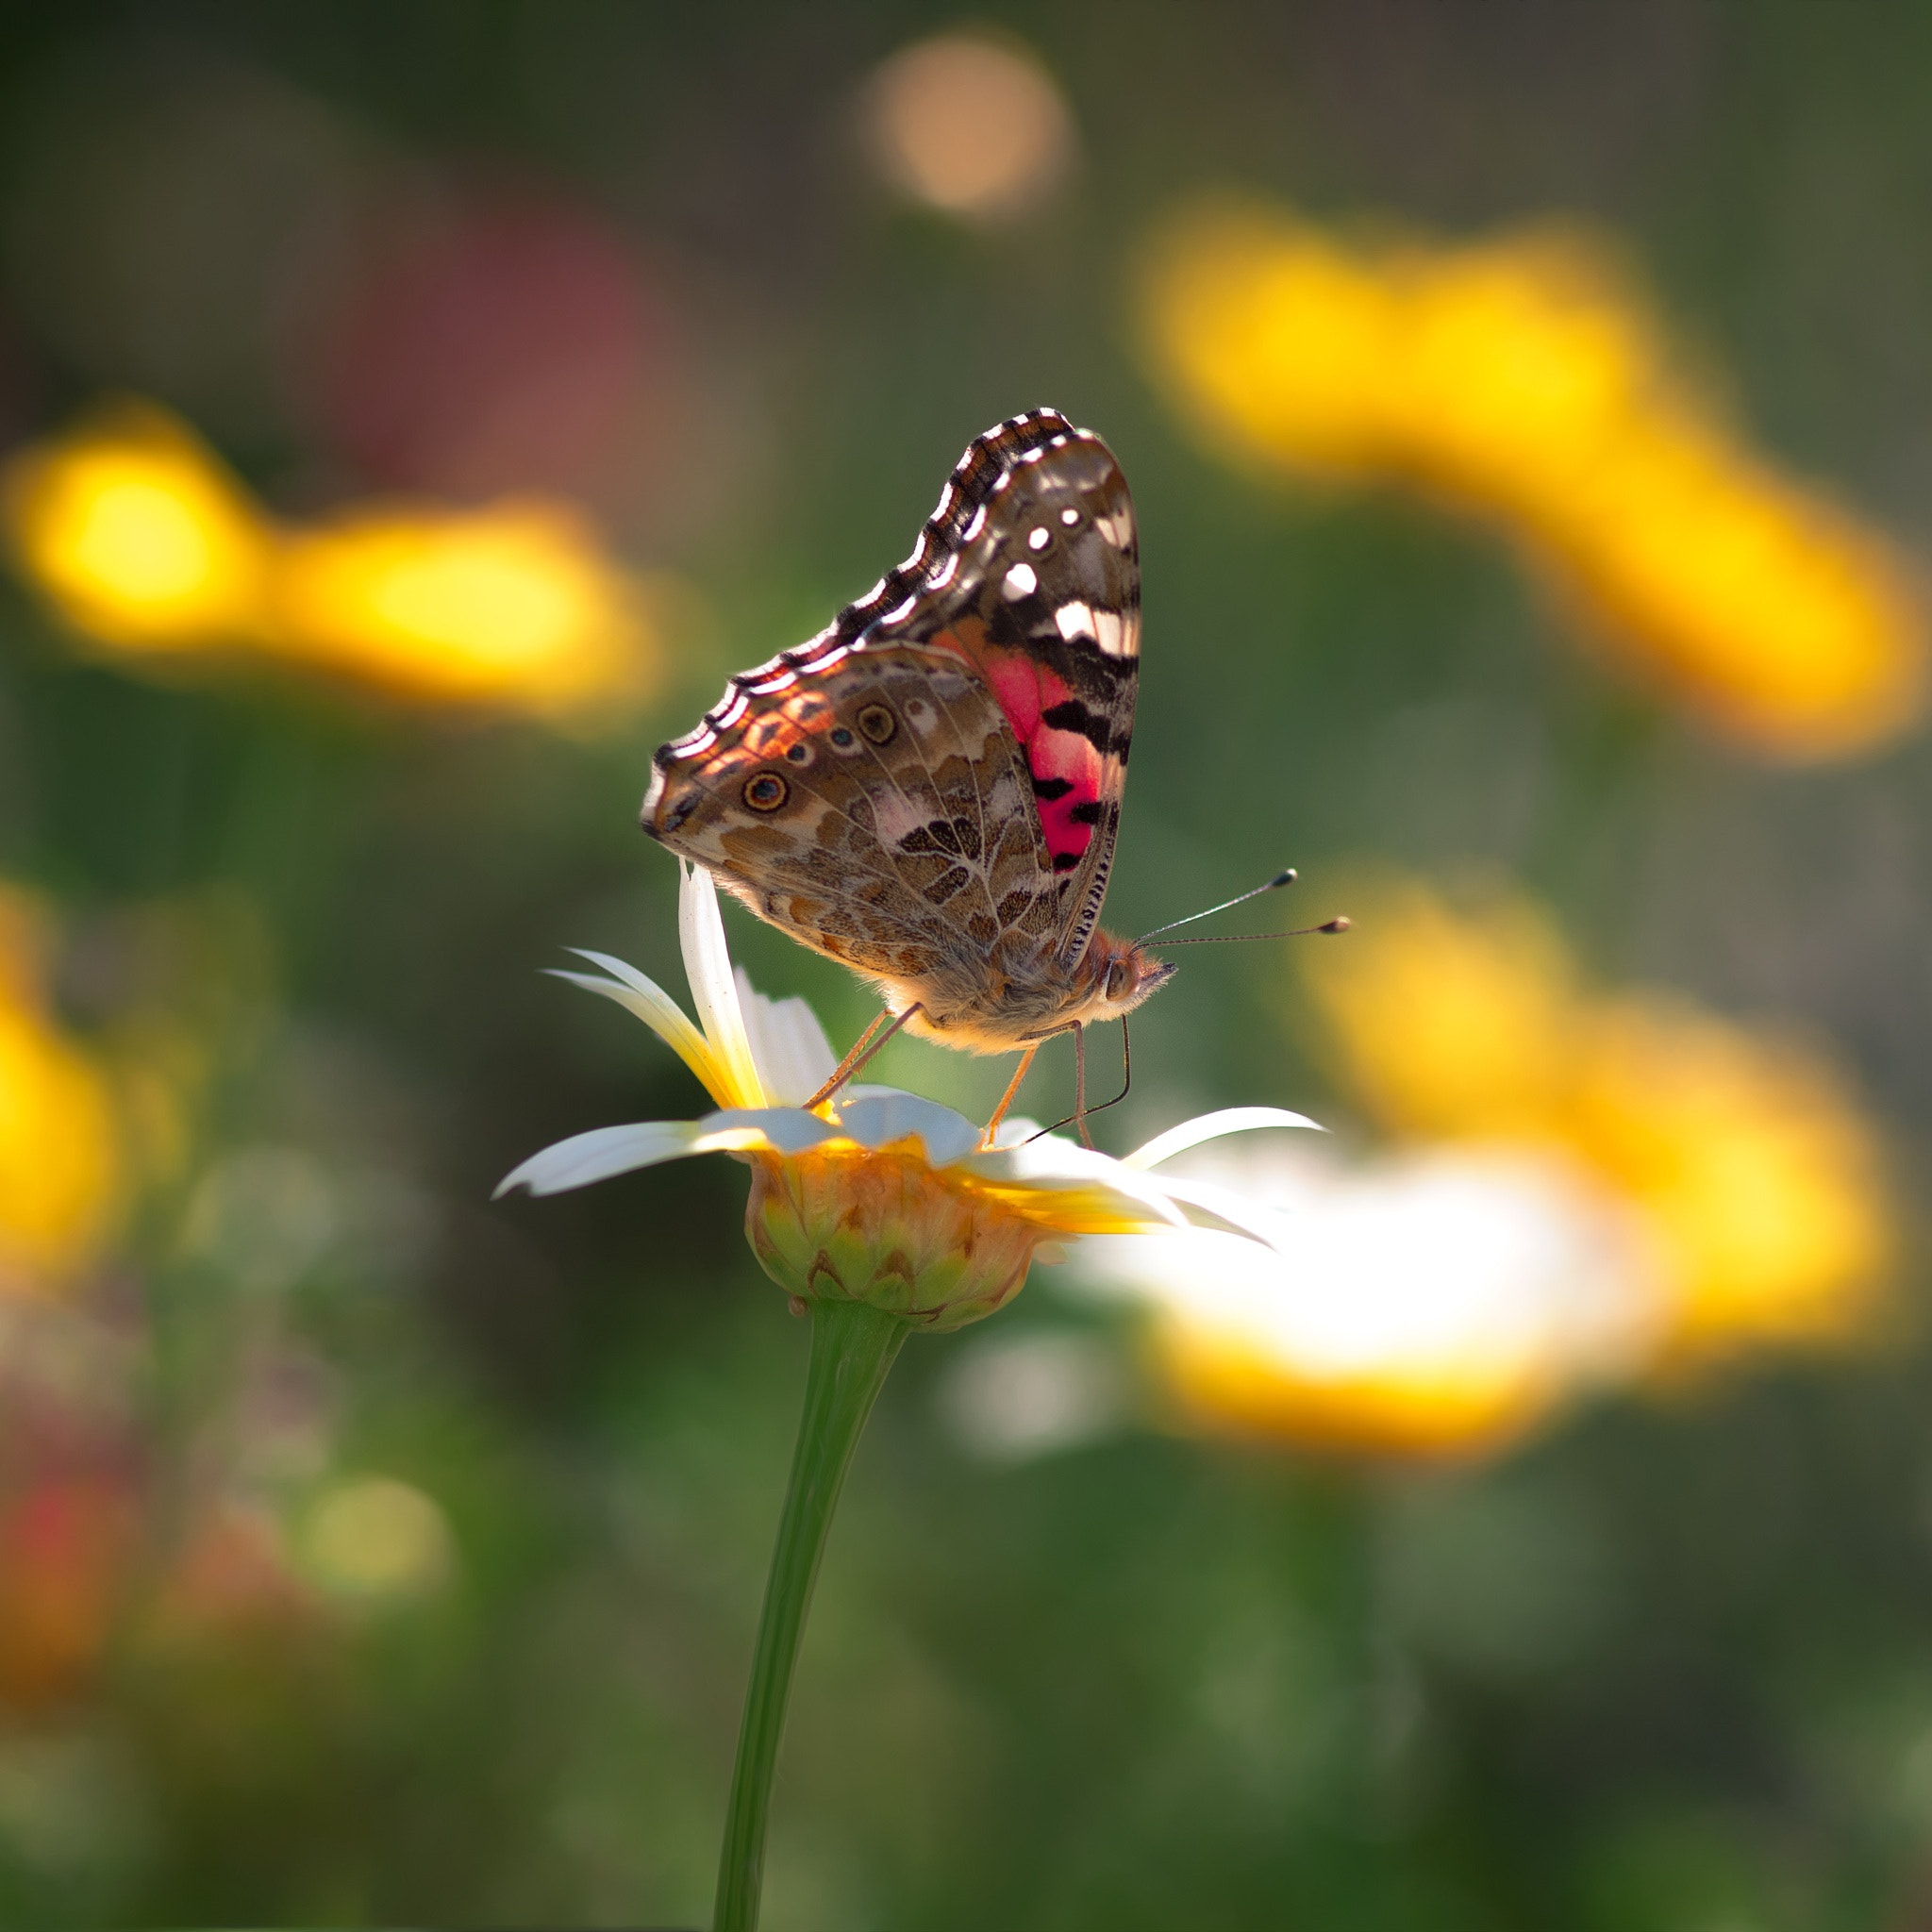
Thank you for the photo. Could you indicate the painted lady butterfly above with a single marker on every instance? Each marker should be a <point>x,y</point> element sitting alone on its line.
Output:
<point>929,789</point>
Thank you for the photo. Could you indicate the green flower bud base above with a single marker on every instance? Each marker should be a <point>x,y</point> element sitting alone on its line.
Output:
<point>880,1225</point>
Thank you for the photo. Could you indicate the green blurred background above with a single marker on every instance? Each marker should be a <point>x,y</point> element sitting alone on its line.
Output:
<point>1665,1668</point>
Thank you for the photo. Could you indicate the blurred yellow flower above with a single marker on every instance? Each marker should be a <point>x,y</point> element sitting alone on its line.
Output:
<point>1768,612</point>
<point>1448,1026</point>
<point>61,1165</point>
<point>1523,379</point>
<point>512,604</point>
<point>138,534</point>
<point>1755,1173</point>
<point>140,538</point>
<point>1277,342</point>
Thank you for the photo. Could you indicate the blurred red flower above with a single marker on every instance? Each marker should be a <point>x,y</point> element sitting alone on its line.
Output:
<point>491,341</point>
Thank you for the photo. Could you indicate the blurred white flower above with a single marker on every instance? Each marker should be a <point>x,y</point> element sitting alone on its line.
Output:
<point>1435,1304</point>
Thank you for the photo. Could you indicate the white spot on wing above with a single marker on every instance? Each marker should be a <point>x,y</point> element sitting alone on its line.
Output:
<point>1075,620</point>
<point>1038,538</point>
<point>1118,529</point>
<point>974,527</point>
<point>1070,517</point>
<point>1019,582</point>
<point>1111,632</point>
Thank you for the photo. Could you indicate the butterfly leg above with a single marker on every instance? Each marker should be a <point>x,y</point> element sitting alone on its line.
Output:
<point>1082,1112</point>
<point>842,1072</point>
<point>862,1051</point>
<point>999,1113</point>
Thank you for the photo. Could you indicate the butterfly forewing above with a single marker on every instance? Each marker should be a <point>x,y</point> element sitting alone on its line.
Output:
<point>929,789</point>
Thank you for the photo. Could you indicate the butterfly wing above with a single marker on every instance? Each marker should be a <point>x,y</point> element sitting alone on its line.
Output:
<point>931,784</point>
<point>877,809</point>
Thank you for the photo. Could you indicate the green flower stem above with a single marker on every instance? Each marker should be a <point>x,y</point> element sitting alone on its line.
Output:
<point>852,1348</point>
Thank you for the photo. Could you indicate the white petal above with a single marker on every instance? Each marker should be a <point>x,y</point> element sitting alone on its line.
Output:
<point>878,1117</point>
<point>607,1151</point>
<point>713,991</point>
<point>782,1129</point>
<point>1053,1158</point>
<point>1210,1127</point>
<point>1051,1163</point>
<point>795,1058</point>
<point>600,1154</point>
<point>657,1009</point>
<point>1232,1209</point>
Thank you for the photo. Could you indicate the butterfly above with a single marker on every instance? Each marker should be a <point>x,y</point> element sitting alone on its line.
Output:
<point>929,789</point>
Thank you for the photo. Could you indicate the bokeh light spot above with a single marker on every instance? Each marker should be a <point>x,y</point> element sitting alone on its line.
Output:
<point>972,126</point>
<point>376,1540</point>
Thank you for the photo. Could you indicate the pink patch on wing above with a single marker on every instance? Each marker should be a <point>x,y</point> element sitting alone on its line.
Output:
<point>1066,755</point>
<point>1024,690</point>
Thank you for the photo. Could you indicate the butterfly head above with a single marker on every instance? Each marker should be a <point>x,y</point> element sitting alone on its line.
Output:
<point>1123,974</point>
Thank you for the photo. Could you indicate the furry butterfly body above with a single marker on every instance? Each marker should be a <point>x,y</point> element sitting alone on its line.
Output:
<point>929,789</point>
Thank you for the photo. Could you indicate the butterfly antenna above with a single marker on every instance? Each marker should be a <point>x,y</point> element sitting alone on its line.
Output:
<point>1282,879</point>
<point>1338,924</point>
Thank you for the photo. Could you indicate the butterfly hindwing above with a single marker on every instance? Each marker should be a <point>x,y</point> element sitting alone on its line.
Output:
<point>877,811</point>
